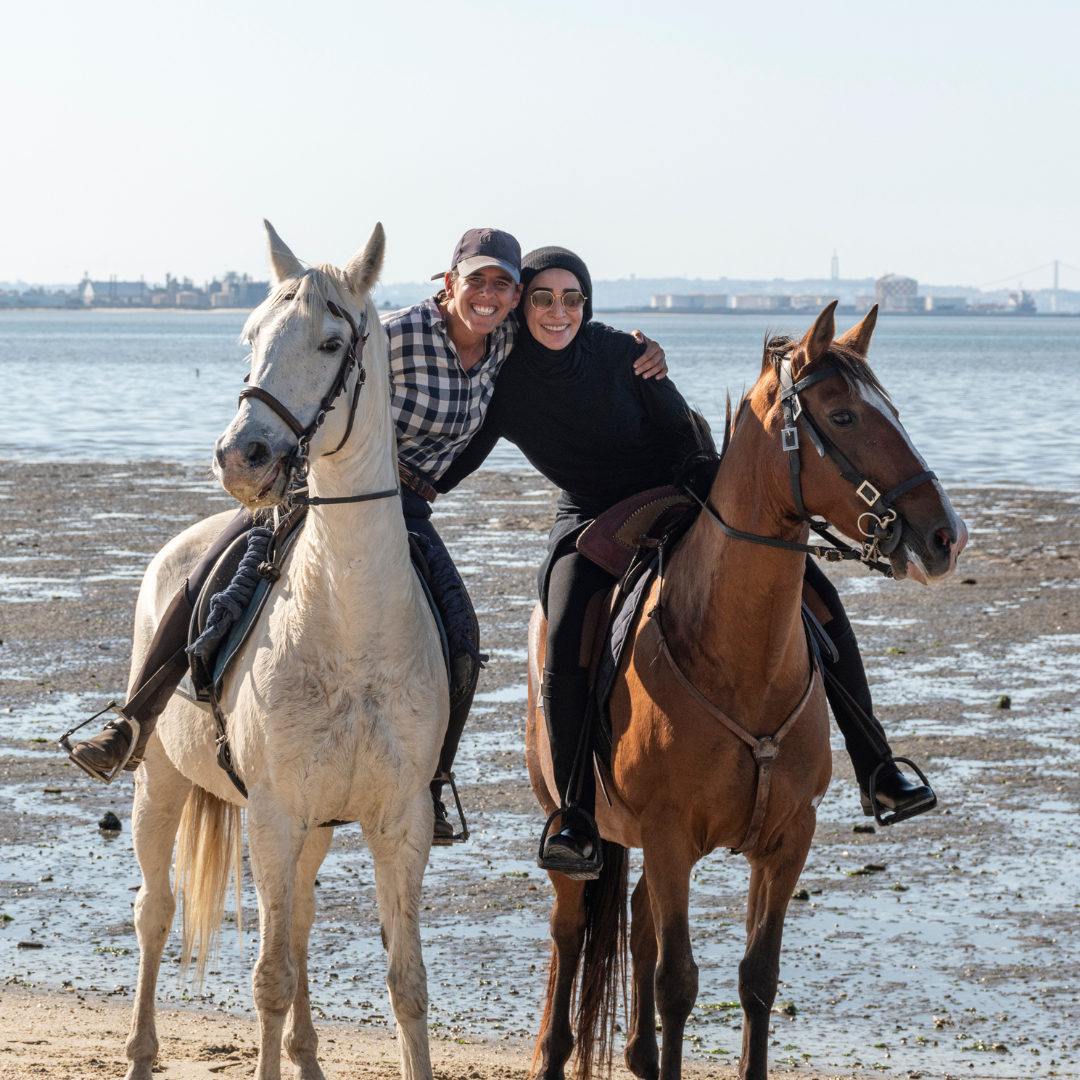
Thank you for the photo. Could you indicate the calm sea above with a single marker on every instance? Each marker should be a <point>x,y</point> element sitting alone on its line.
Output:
<point>985,400</point>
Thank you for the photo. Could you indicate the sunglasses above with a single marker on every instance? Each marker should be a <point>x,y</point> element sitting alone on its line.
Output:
<point>545,298</point>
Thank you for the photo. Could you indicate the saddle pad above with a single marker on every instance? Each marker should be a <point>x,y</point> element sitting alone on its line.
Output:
<point>613,538</point>
<point>620,626</point>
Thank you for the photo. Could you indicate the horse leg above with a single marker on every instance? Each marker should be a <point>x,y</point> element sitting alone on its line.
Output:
<point>669,865</point>
<point>301,1041</point>
<point>568,938</point>
<point>400,855</point>
<point>275,842</point>
<point>160,793</point>
<point>642,1052</point>
<point>771,882</point>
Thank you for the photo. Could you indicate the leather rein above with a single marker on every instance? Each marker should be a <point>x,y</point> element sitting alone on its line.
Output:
<point>883,538</point>
<point>886,530</point>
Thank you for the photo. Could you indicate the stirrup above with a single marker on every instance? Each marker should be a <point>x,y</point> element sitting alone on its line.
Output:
<point>898,815</point>
<point>463,835</point>
<point>136,730</point>
<point>589,869</point>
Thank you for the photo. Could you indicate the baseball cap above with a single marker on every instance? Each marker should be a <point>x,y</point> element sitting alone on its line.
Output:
<point>486,247</point>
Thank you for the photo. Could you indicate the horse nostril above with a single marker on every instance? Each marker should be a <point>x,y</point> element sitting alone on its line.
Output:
<point>257,453</point>
<point>944,538</point>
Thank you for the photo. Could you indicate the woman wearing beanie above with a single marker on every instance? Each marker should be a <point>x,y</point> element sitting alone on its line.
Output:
<point>569,399</point>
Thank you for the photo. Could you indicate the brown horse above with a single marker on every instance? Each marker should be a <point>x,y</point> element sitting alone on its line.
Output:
<point>683,781</point>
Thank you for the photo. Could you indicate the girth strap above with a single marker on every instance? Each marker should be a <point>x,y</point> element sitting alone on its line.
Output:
<point>765,749</point>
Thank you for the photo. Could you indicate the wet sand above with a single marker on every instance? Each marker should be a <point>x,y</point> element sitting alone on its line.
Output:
<point>957,959</point>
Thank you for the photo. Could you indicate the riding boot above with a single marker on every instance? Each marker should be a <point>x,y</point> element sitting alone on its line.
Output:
<point>575,850</point>
<point>867,745</point>
<point>101,756</point>
<point>464,673</point>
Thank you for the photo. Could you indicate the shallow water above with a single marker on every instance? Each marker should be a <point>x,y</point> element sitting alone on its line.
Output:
<point>985,400</point>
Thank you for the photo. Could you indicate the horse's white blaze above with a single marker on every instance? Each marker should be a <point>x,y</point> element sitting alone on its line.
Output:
<point>874,399</point>
<point>336,708</point>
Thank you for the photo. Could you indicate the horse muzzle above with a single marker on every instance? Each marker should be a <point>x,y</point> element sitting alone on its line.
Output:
<point>253,467</point>
<point>930,557</point>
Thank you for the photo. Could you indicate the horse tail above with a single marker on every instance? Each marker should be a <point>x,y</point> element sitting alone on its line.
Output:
<point>208,846</point>
<point>603,966</point>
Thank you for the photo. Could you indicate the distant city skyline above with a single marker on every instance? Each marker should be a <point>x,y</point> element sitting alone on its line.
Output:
<point>682,139</point>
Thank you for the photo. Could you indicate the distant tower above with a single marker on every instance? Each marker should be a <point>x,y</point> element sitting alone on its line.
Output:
<point>835,269</point>
<point>1054,295</point>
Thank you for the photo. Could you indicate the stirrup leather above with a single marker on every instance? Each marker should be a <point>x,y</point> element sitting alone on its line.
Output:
<point>590,869</point>
<point>136,731</point>
<point>897,816</point>
<point>463,835</point>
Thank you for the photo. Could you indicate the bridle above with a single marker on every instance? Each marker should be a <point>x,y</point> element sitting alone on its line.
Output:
<point>297,464</point>
<point>884,535</point>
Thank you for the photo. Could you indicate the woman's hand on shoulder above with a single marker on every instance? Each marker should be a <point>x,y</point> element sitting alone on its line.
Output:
<point>652,363</point>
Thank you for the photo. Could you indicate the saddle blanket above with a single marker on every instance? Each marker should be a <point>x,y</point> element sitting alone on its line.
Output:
<point>208,668</point>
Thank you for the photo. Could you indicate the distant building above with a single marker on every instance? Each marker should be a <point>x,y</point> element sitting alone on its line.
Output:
<point>238,291</point>
<point>754,302</point>
<point>811,303</point>
<point>188,298</point>
<point>690,301</point>
<point>896,293</point>
<point>113,293</point>
<point>946,303</point>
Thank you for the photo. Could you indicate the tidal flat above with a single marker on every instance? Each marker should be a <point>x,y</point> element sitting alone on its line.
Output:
<point>959,958</point>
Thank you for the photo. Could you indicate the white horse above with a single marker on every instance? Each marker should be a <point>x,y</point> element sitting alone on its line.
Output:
<point>338,704</point>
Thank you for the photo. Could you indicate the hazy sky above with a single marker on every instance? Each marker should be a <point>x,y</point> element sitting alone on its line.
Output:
<point>937,139</point>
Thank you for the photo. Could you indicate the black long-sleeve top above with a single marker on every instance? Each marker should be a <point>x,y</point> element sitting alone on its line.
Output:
<point>584,420</point>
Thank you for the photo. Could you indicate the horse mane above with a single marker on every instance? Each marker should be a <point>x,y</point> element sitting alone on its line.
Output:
<point>852,366</point>
<point>307,295</point>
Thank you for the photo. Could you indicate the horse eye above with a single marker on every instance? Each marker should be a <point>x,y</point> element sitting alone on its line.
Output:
<point>843,418</point>
<point>330,346</point>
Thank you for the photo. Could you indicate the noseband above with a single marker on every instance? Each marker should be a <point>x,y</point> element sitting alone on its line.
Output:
<point>887,526</point>
<point>298,460</point>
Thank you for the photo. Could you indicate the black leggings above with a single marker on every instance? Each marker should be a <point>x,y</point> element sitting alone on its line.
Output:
<point>572,584</point>
<point>867,744</point>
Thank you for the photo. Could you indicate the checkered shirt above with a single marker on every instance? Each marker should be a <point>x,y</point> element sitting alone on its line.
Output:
<point>438,406</point>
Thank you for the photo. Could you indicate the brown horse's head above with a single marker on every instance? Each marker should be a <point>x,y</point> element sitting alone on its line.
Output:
<point>852,411</point>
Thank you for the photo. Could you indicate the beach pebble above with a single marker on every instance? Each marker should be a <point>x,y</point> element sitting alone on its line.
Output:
<point>109,822</point>
<point>31,945</point>
<point>800,894</point>
<point>1004,702</point>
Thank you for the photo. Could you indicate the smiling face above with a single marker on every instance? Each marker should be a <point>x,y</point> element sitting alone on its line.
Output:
<point>483,299</point>
<point>554,327</point>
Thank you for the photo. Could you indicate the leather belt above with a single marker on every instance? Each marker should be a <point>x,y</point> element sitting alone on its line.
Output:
<point>416,484</point>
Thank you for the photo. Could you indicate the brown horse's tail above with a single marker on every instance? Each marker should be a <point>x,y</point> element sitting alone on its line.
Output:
<point>603,967</point>
<point>207,847</point>
<point>603,963</point>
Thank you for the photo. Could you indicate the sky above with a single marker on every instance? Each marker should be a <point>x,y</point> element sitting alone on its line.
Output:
<point>749,140</point>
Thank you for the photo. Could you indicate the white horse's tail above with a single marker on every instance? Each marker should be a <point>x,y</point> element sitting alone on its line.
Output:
<point>210,836</point>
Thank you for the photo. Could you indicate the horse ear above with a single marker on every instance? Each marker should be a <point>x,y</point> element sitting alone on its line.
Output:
<point>283,263</point>
<point>857,339</point>
<point>819,337</point>
<point>365,266</point>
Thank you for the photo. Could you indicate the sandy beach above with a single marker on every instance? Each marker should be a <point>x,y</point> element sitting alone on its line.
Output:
<point>958,959</point>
